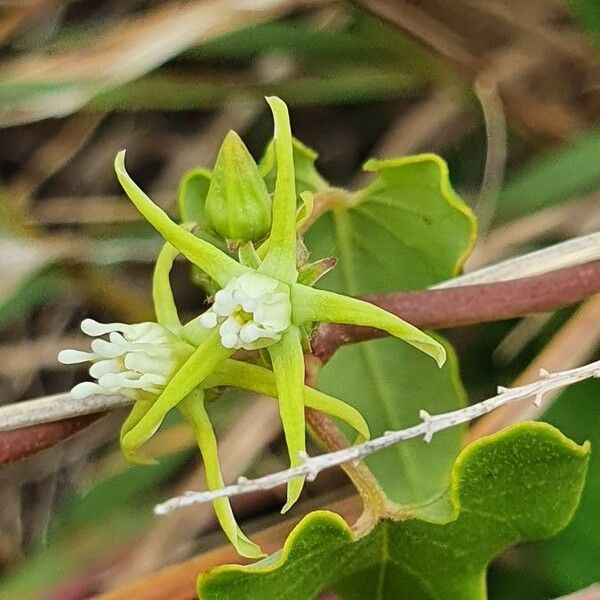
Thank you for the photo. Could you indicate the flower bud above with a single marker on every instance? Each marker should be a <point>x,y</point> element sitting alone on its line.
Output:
<point>238,205</point>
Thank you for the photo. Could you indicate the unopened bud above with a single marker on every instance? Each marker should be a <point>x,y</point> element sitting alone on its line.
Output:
<point>238,205</point>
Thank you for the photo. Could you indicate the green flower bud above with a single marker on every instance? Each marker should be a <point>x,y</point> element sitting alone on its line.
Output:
<point>238,205</point>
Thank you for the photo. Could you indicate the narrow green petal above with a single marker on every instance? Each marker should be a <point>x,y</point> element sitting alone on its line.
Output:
<point>257,379</point>
<point>288,367</point>
<point>162,294</point>
<point>280,259</point>
<point>193,410</point>
<point>212,261</point>
<point>139,409</point>
<point>309,304</point>
<point>194,371</point>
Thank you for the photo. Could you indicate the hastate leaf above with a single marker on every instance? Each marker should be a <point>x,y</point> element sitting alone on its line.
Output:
<point>406,230</point>
<point>521,484</point>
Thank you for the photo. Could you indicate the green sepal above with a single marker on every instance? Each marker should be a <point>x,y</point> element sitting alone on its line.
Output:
<point>162,294</point>
<point>194,412</point>
<point>302,214</point>
<point>310,304</point>
<point>310,273</point>
<point>288,368</point>
<point>238,206</point>
<point>305,209</point>
<point>306,174</point>
<point>138,410</point>
<point>248,256</point>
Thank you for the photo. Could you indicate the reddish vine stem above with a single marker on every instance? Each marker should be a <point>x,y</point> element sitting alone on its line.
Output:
<point>375,502</point>
<point>20,443</point>
<point>426,309</point>
<point>469,305</point>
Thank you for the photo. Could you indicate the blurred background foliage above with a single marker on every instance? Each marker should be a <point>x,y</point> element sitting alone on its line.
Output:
<point>507,91</point>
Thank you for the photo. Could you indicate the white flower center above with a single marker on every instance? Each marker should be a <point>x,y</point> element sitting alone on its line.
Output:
<point>252,311</point>
<point>139,357</point>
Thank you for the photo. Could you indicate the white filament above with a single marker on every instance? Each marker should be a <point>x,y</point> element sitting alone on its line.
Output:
<point>138,357</point>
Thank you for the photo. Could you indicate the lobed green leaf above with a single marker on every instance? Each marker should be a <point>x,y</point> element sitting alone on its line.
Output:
<point>405,230</point>
<point>521,484</point>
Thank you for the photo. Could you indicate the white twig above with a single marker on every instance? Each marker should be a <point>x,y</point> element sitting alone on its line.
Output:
<point>55,408</point>
<point>570,253</point>
<point>429,426</point>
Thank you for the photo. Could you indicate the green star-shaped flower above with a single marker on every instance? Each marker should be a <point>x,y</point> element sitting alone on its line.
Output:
<point>138,360</point>
<point>265,307</point>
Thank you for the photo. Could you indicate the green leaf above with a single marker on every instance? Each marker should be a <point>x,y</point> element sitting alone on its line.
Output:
<point>405,230</point>
<point>308,179</point>
<point>521,484</point>
<point>555,177</point>
<point>570,561</point>
<point>588,13</point>
<point>33,290</point>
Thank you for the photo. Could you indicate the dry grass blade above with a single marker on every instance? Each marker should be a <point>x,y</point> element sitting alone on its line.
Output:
<point>496,154</point>
<point>86,210</point>
<point>50,157</point>
<point>432,125</point>
<point>575,251</point>
<point>426,29</point>
<point>17,15</point>
<point>571,346</point>
<point>530,22</point>
<point>66,80</point>
<point>19,259</point>
<point>20,358</point>
<point>21,480</point>
<point>514,55</point>
<point>575,218</point>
